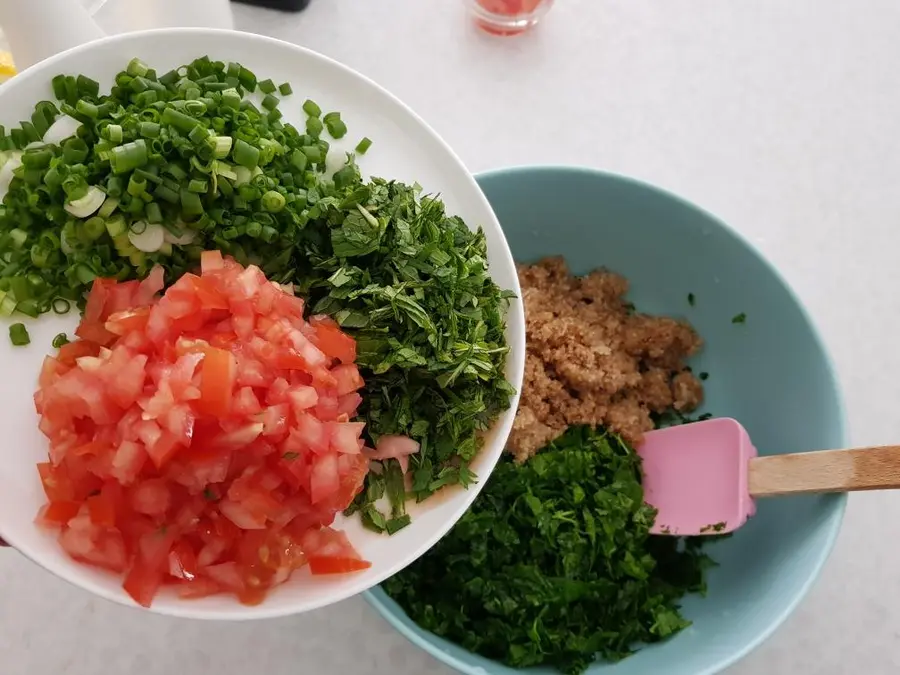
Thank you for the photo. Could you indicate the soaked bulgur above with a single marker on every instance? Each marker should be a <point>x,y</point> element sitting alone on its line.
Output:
<point>591,360</point>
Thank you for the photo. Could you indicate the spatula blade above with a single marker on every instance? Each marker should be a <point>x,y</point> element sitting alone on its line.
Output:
<point>695,475</point>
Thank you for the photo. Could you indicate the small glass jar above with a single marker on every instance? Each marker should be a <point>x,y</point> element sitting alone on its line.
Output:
<point>507,17</point>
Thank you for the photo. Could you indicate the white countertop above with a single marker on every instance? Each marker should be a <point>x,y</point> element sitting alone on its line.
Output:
<point>781,117</point>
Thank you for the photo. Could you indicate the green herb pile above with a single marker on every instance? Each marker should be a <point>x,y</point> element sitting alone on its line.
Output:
<point>167,165</point>
<point>156,171</point>
<point>412,285</point>
<point>554,563</point>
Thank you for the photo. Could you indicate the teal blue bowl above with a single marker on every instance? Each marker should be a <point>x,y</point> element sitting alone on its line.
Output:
<point>772,373</point>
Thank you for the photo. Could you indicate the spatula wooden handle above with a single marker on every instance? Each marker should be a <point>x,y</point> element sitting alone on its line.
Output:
<point>826,471</point>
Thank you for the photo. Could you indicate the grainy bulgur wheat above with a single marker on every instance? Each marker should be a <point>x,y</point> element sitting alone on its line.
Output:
<point>591,360</point>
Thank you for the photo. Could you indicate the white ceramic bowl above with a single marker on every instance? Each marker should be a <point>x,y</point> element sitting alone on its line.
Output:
<point>405,148</point>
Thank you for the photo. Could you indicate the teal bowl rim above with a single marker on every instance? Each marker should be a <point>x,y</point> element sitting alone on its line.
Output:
<point>391,611</point>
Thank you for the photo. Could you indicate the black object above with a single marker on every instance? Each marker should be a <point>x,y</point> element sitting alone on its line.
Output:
<point>283,5</point>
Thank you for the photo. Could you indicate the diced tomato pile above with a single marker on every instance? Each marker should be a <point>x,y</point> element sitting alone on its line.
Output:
<point>202,438</point>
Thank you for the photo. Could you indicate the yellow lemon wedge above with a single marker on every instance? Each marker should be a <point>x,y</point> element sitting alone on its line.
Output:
<point>7,67</point>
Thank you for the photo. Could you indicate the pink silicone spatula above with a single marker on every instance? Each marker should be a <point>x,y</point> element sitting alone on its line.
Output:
<point>703,477</point>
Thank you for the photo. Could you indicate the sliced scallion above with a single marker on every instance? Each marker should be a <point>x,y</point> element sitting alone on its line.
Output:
<point>153,172</point>
<point>18,335</point>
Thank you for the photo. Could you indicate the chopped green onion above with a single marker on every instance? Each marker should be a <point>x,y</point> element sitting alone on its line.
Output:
<point>190,203</point>
<point>149,129</point>
<point>245,154</point>
<point>18,335</point>
<point>116,226</point>
<point>30,132</point>
<point>314,126</point>
<point>299,160</point>
<point>86,86</point>
<point>166,194</point>
<point>311,108</point>
<point>61,338</point>
<point>87,109</point>
<point>109,206</point>
<point>59,87</point>
<point>231,99</point>
<point>128,156</point>
<point>37,159</point>
<point>150,173</point>
<point>94,228</point>
<point>221,146</point>
<point>153,213</point>
<point>335,125</point>
<point>187,146</point>
<point>7,305</point>
<point>75,151</point>
<point>114,187</point>
<point>18,138</point>
<point>247,80</point>
<point>176,172</point>
<point>28,308</point>
<point>137,68</point>
<point>272,201</point>
<point>136,185</point>
<point>363,146</point>
<point>270,102</point>
<point>138,85</point>
<point>178,120</point>
<point>254,229</point>
<point>114,133</point>
<point>198,135</point>
<point>197,185</point>
<point>269,234</point>
<point>313,153</point>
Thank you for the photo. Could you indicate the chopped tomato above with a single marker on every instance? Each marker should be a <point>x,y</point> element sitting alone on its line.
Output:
<point>198,588</point>
<point>217,375</point>
<point>151,497</point>
<point>330,552</point>
<point>334,342</point>
<point>319,565</point>
<point>68,353</point>
<point>211,261</point>
<point>202,438</point>
<point>124,322</point>
<point>347,379</point>
<point>94,545</point>
<point>227,575</point>
<point>183,562</point>
<point>102,509</point>
<point>57,484</point>
<point>150,564</point>
<point>142,582</point>
<point>55,514</point>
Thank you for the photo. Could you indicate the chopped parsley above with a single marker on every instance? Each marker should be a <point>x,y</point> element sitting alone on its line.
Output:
<point>691,299</point>
<point>704,376</point>
<point>554,563</point>
<point>739,318</point>
<point>411,284</point>
<point>717,527</point>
